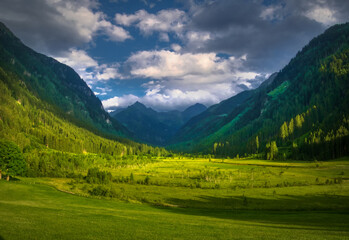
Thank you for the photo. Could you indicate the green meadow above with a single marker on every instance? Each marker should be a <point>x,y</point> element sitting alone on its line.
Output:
<point>184,198</point>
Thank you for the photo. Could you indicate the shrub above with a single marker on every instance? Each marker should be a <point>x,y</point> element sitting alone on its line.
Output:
<point>103,191</point>
<point>94,175</point>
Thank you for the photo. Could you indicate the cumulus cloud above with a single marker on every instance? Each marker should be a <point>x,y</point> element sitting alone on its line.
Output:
<point>88,68</point>
<point>321,15</point>
<point>162,98</point>
<point>123,101</point>
<point>53,26</point>
<point>182,79</point>
<point>174,65</point>
<point>169,20</point>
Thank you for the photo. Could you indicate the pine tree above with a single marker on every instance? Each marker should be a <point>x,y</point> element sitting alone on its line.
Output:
<point>284,130</point>
<point>298,121</point>
<point>291,127</point>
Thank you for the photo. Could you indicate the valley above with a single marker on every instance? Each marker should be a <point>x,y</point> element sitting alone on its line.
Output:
<point>186,197</point>
<point>213,149</point>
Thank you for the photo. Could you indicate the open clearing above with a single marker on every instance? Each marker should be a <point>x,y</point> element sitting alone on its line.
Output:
<point>229,199</point>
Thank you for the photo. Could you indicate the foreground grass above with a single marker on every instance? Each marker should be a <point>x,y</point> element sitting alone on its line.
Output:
<point>37,211</point>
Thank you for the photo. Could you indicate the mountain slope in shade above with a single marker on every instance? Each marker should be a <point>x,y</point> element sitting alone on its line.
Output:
<point>314,85</point>
<point>57,84</point>
<point>215,116</point>
<point>155,127</point>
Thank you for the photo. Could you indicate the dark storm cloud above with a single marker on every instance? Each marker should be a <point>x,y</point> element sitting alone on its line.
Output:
<point>54,26</point>
<point>39,25</point>
<point>270,34</point>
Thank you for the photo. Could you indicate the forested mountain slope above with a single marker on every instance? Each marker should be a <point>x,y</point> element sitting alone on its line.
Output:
<point>56,84</point>
<point>312,89</point>
<point>215,116</point>
<point>55,142</point>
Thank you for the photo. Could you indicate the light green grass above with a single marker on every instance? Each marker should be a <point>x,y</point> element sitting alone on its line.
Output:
<point>36,211</point>
<point>255,199</point>
<point>279,90</point>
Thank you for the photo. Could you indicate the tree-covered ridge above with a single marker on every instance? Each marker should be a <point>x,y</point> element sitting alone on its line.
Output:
<point>57,84</point>
<point>51,141</point>
<point>317,76</point>
<point>29,122</point>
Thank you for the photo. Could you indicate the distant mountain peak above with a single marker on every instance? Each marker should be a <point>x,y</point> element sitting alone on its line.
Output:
<point>155,127</point>
<point>138,105</point>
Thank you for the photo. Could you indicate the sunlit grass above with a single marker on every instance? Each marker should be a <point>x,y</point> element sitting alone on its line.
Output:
<point>185,198</point>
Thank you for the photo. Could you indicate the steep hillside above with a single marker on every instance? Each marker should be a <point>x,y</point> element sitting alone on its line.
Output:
<point>54,142</point>
<point>314,85</point>
<point>56,84</point>
<point>215,116</point>
<point>155,127</point>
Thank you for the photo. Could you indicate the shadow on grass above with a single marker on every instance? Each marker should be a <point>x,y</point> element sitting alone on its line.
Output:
<point>330,213</point>
<point>1,238</point>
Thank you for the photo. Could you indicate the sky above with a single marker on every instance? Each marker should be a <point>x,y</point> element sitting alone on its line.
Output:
<point>171,54</point>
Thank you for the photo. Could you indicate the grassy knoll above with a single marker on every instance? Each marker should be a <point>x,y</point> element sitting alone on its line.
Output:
<point>185,199</point>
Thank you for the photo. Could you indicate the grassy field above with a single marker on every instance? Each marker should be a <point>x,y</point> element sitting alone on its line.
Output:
<point>185,199</point>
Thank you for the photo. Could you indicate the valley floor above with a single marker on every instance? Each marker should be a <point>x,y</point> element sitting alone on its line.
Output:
<point>215,199</point>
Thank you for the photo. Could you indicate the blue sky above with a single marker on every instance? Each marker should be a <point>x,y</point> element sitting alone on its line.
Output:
<point>171,54</point>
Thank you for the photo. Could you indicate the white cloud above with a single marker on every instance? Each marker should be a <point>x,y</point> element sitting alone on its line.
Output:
<point>86,21</point>
<point>115,33</point>
<point>105,72</point>
<point>87,67</point>
<point>174,65</point>
<point>123,101</point>
<point>172,20</point>
<point>176,47</point>
<point>322,15</point>
<point>182,79</point>
<point>162,99</point>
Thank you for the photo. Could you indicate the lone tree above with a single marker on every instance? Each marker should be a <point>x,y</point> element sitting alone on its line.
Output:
<point>271,150</point>
<point>11,159</point>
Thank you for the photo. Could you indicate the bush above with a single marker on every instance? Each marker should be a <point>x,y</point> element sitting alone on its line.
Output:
<point>11,159</point>
<point>98,177</point>
<point>103,191</point>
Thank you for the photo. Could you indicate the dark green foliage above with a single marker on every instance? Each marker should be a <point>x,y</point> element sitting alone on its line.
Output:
<point>11,159</point>
<point>94,175</point>
<point>147,180</point>
<point>103,191</point>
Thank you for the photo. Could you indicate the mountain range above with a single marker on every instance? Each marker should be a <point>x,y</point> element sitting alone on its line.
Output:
<point>155,127</point>
<point>303,109</point>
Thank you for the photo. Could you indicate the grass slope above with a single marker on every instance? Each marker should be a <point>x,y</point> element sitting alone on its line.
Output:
<point>171,206</point>
<point>33,211</point>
